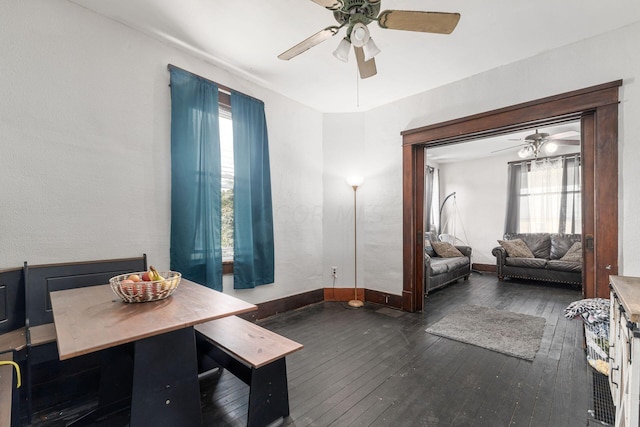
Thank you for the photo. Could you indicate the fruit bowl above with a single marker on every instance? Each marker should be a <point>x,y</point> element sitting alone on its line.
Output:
<point>144,291</point>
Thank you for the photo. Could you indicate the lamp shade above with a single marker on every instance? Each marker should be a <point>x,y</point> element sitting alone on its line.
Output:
<point>550,147</point>
<point>355,180</point>
<point>359,35</point>
<point>342,52</point>
<point>525,152</point>
<point>370,49</point>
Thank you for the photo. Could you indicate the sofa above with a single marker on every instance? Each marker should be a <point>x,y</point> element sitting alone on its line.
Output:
<point>552,257</point>
<point>441,270</point>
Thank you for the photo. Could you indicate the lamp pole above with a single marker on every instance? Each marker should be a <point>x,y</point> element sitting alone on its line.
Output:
<point>355,182</point>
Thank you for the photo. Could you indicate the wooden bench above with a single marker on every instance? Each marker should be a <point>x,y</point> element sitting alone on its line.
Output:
<point>9,395</point>
<point>40,280</point>
<point>257,357</point>
<point>12,313</point>
<point>13,342</point>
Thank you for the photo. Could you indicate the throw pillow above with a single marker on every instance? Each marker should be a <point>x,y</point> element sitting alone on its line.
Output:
<point>428,248</point>
<point>516,248</point>
<point>574,254</point>
<point>446,250</point>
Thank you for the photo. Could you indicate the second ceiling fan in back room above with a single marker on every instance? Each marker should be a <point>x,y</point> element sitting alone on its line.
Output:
<point>356,15</point>
<point>541,142</point>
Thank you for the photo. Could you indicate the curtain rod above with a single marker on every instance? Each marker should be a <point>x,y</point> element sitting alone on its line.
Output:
<point>223,88</point>
<point>562,156</point>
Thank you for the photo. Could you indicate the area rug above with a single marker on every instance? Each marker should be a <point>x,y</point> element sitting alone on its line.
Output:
<point>506,332</point>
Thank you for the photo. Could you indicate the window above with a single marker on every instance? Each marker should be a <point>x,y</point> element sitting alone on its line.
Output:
<point>226,157</point>
<point>544,196</point>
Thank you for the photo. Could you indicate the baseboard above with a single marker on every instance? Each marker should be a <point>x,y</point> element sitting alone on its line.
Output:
<point>383,298</point>
<point>484,267</point>
<point>342,294</point>
<point>270,308</point>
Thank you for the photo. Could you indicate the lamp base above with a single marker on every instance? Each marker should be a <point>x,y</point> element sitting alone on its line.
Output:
<point>356,303</point>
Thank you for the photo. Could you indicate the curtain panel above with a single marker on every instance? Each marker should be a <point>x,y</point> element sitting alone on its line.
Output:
<point>195,179</point>
<point>544,196</point>
<point>253,263</point>
<point>429,222</point>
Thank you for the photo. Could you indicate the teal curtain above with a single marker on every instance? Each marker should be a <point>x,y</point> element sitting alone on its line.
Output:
<point>253,263</point>
<point>195,179</point>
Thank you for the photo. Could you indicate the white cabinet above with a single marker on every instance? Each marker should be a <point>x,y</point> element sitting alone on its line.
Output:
<point>624,349</point>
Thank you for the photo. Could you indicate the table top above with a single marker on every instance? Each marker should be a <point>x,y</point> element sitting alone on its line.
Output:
<point>94,318</point>
<point>628,291</point>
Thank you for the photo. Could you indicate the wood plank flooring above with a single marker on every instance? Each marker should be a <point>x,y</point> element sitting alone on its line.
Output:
<point>378,367</point>
<point>364,367</point>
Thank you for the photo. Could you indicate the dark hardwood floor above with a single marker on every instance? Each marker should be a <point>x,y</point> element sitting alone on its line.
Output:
<point>378,367</point>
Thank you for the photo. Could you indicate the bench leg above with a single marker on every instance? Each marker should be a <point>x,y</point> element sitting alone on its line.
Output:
<point>268,394</point>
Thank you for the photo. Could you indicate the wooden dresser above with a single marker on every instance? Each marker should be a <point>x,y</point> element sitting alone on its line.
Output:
<point>624,348</point>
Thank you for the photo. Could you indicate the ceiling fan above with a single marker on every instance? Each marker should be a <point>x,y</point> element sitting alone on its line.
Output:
<point>540,142</point>
<point>356,15</point>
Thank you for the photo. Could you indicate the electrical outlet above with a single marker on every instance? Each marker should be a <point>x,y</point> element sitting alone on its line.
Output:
<point>334,272</point>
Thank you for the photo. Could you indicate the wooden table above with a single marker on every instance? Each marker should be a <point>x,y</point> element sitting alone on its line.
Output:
<point>165,389</point>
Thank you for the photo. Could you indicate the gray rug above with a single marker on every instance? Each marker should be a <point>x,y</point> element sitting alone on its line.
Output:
<point>510,333</point>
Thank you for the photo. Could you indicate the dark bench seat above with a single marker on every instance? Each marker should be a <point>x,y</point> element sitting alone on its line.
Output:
<point>40,281</point>
<point>9,414</point>
<point>257,357</point>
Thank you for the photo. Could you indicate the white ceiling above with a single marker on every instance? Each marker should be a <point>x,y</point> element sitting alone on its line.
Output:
<point>504,145</point>
<point>245,37</point>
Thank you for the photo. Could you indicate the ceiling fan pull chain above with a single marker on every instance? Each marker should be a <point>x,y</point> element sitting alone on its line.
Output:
<point>357,89</point>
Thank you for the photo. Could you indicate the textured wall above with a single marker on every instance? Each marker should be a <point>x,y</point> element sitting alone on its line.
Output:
<point>602,59</point>
<point>85,147</point>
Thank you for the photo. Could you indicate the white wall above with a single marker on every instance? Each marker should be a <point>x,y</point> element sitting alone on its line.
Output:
<point>85,147</point>
<point>598,60</point>
<point>477,216</point>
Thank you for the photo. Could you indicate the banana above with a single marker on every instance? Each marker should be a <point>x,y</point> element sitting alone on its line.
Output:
<point>154,274</point>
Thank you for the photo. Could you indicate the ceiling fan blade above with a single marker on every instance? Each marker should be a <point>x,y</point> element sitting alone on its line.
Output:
<point>329,4</point>
<point>310,42</point>
<point>566,141</point>
<point>427,22</point>
<point>367,68</point>
<point>509,148</point>
<point>567,134</point>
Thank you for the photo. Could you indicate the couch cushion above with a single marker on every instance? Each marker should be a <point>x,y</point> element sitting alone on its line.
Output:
<point>538,243</point>
<point>574,254</point>
<point>516,248</point>
<point>446,250</point>
<point>526,262</point>
<point>439,266</point>
<point>428,248</point>
<point>558,265</point>
<point>560,244</point>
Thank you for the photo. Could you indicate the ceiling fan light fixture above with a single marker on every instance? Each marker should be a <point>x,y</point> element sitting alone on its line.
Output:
<point>550,147</point>
<point>524,152</point>
<point>342,51</point>
<point>370,49</point>
<point>359,35</point>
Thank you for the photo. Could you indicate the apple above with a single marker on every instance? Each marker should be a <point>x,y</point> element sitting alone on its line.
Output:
<point>127,285</point>
<point>134,278</point>
<point>146,276</point>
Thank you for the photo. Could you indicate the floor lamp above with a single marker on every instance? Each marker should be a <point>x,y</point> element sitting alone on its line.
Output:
<point>355,182</point>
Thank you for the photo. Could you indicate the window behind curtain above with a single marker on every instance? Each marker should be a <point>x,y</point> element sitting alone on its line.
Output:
<point>545,196</point>
<point>226,153</point>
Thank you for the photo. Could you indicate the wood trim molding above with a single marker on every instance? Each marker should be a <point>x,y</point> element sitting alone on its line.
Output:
<point>491,268</point>
<point>270,308</point>
<point>601,214</point>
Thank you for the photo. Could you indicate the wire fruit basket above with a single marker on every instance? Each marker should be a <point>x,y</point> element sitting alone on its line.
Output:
<point>145,291</point>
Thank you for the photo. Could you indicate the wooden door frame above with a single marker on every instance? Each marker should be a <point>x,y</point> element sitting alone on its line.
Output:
<point>597,109</point>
